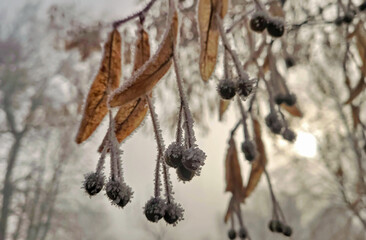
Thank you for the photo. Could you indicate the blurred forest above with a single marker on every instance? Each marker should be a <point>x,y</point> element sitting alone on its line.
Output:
<point>50,53</point>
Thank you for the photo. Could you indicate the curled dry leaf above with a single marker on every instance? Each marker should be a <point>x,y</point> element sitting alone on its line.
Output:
<point>209,34</point>
<point>150,73</point>
<point>355,115</point>
<point>108,77</point>
<point>224,105</point>
<point>276,10</point>
<point>234,181</point>
<point>131,115</point>
<point>360,34</point>
<point>259,163</point>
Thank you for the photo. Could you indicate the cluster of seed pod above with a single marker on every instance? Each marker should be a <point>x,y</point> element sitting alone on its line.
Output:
<point>279,227</point>
<point>243,86</point>
<point>242,233</point>
<point>261,21</point>
<point>118,192</point>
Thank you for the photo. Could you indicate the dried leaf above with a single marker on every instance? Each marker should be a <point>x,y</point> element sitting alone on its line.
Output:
<point>259,163</point>
<point>209,34</point>
<point>361,85</point>
<point>131,115</point>
<point>151,73</point>
<point>109,74</point>
<point>293,110</point>
<point>234,181</point>
<point>224,105</point>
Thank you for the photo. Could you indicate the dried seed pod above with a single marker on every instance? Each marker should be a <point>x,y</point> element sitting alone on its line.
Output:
<point>173,213</point>
<point>155,209</point>
<point>231,234</point>
<point>274,225</point>
<point>244,86</point>
<point>193,158</point>
<point>119,193</point>
<point>279,98</point>
<point>289,135</point>
<point>173,155</point>
<point>338,21</point>
<point>93,183</point>
<point>242,233</point>
<point>226,89</point>
<point>184,174</point>
<point>290,99</point>
<point>290,62</point>
<point>348,17</point>
<point>249,150</point>
<point>362,6</point>
<point>273,123</point>
<point>258,22</point>
<point>276,27</point>
<point>287,231</point>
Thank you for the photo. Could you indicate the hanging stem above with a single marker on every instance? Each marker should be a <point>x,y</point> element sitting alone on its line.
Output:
<point>244,119</point>
<point>274,201</point>
<point>179,124</point>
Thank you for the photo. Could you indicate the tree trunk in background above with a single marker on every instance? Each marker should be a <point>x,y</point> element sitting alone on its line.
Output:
<point>8,188</point>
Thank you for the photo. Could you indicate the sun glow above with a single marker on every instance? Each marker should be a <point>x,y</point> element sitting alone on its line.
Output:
<point>306,144</point>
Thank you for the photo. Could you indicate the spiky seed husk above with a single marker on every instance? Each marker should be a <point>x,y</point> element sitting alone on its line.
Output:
<point>276,27</point>
<point>258,22</point>
<point>249,150</point>
<point>154,209</point>
<point>231,234</point>
<point>173,213</point>
<point>93,183</point>
<point>226,89</point>
<point>173,155</point>
<point>193,158</point>
<point>119,193</point>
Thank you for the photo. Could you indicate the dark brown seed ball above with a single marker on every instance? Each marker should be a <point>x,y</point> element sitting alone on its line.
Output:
<point>348,17</point>
<point>287,231</point>
<point>93,183</point>
<point>193,158</point>
<point>244,87</point>
<point>276,27</point>
<point>258,22</point>
<point>155,209</point>
<point>275,225</point>
<point>276,127</point>
<point>362,7</point>
<point>290,62</point>
<point>173,213</point>
<point>119,193</point>
<point>290,99</point>
<point>249,150</point>
<point>242,233</point>
<point>289,135</point>
<point>271,119</point>
<point>173,155</point>
<point>226,89</point>
<point>338,21</point>
<point>231,234</point>
<point>184,174</point>
<point>279,227</point>
<point>279,98</point>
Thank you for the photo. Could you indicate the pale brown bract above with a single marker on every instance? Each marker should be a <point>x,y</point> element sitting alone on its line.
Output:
<point>150,75</point>
<point>108,77</point>
<point>131,115</point>
<point>209,34</point>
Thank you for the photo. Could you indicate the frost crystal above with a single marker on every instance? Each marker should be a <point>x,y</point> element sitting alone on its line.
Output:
<point>193,158</point>
<point>155,209</point>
